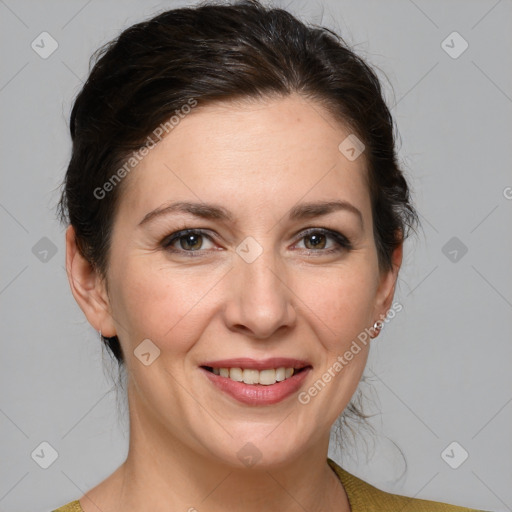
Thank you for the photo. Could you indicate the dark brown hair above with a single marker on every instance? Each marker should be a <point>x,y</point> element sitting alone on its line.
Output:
<point>214,53</point>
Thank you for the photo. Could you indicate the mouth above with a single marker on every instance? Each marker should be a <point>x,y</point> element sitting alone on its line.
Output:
<point>265,377</point>
<point>257,382</point>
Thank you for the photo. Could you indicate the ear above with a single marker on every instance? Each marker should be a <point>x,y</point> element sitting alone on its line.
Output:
<point>88,288</point>
<point>387,284</point>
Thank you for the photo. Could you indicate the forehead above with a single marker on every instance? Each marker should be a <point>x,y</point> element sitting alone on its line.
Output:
<point>246,152</point>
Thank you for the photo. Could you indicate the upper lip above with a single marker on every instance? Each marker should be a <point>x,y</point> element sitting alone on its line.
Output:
<point>258,364</point>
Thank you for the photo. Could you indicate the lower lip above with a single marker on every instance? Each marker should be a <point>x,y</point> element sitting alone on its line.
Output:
<point>258,394</point>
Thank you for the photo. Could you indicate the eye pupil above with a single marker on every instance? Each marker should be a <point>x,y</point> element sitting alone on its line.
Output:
<point>316,240</point>
<point>193,241</point>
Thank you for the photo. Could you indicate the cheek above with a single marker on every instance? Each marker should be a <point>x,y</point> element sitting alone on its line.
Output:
<point>163,306</point>
<point>339,302</point>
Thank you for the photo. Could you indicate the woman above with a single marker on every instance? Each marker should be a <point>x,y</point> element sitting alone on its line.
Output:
<point>236,222</point>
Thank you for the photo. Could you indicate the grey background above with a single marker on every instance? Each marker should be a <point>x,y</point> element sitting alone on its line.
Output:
<point>439,372</point>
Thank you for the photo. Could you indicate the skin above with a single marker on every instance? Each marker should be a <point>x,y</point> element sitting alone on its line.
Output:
<point>258,159</point>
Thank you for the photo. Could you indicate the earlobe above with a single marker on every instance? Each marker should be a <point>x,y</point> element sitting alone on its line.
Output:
<point>87,287</point>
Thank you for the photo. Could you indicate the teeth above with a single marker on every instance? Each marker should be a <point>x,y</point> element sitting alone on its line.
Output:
<point>267,377</point>
<point>251,376</point>
<point>236,374</point>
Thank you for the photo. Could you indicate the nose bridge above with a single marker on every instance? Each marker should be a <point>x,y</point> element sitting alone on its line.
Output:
<point>261,274</point>
<point>262,303</point>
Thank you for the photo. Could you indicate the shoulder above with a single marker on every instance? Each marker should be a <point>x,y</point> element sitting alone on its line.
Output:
<point>364,497</point>
<point>73,506</point>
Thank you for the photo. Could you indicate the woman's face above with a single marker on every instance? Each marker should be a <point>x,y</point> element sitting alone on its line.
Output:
<point>269,277</point>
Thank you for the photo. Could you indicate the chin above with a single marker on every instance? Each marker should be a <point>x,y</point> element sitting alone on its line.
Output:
<point>260,448</point>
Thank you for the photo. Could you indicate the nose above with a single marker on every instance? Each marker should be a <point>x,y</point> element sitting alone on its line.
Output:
<point>260,301</point>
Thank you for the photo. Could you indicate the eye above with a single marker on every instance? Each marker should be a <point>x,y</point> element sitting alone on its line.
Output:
<point>187,240</point>
<point>316,240</point>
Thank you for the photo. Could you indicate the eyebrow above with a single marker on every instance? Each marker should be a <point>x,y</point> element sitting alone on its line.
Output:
<point>202,210</point>
<point>211,211</point>
<point>318,208</point>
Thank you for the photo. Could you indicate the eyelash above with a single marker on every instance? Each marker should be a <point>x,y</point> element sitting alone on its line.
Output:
<point>343,243</point>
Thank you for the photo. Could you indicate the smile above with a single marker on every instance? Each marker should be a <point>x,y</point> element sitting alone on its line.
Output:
<point>257,383</point>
